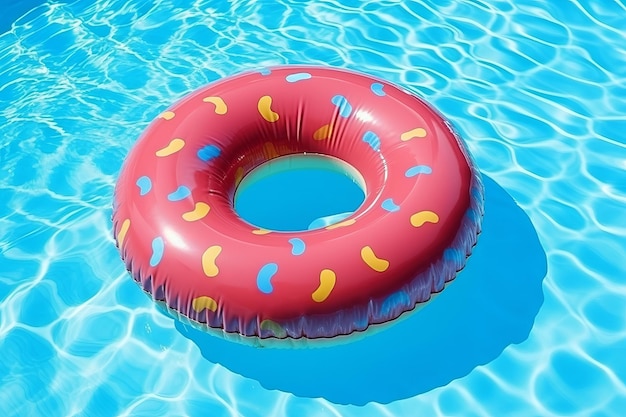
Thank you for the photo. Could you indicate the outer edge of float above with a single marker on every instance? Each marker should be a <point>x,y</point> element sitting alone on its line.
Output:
<point>353,320</point>
<point>432,281</point>
<point>308,331</point>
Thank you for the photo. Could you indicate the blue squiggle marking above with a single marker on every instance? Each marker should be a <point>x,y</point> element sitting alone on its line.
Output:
<point>181,193</point>
<point>418,169</point>
<point>389,205</point>
<point>297,246</point>
<point>264,277</point>
<point>377,88</point>
<point>395,300</point>
<point>372,139</point>
<point>361,322</point>
<point>298,76</point>
<point>265,71</point>
<point>476,193</point>
<point>145,185</point>
<point>209,152</point>
<point>472,214</point>
<point>342,104</point>
<point>157,251</point>
<point>453,255</point>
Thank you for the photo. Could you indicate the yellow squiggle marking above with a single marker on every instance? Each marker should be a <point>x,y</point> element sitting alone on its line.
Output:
<point>373,261</point>
<point>123,230</point>
<point>220,105</point>
<point>200,303</point>
<point>323,132</point>
<point>174,146</point>
<point>167,115</point>
<point>418,132</point>
<point>270,150</point>
<point>274,327</point>
<point>200,210</point>
<point>341,224</point>
<point>327,283</point>
<point>261,231</point>
<point>418,219</point>
<point>208,261</point>
<point>238,176</point>
<point>264,106</point>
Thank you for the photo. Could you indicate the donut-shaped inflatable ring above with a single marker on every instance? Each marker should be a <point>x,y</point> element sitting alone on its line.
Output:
<point>181,240</point>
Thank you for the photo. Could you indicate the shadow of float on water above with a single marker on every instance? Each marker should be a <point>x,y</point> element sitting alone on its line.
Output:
<point>492,304</point>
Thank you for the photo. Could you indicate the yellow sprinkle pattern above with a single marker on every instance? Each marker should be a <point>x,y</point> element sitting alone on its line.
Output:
<point>418,132</point>
<point>238,176</point>
<point>341,224</point>
<point>167,115</point>
<point>265,109</point>
<point>209,258</point>
<point>323,132</point>
<point>270,150</point>
<point>123,230</point>
<point>418,219</point>
<point>220,105</point>
<point>327,277</point>
<point>199,211</point>
<point>174,146</point>
<point>374,262</point>
<point>203,302</point>
<point>273,327</point>
<point>327,283</point>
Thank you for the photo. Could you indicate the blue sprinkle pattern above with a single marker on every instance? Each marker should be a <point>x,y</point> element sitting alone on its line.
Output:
<point>264,277</point>
<point>181,193</point>
<point>389,205</point>
<point>209,152</point>
<point>157,251</point>
<point>297,246</point>
<point>298,76</point>
<point>265,71</point>
<point>145,185</point>
<point>377,88</point>
<point>418,169</point>
<point>345,109</point>
<point>372,139</point>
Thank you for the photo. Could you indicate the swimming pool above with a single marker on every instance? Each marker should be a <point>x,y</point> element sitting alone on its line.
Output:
<point>535,324</point>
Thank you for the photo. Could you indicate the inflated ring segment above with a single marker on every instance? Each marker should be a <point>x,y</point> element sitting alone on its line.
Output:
<point>183,242</point>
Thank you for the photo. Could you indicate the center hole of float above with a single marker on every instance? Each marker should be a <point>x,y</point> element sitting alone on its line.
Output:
<point>299,192</point>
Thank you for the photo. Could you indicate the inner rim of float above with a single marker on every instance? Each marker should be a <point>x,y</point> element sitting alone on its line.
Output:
<point>299,192</point>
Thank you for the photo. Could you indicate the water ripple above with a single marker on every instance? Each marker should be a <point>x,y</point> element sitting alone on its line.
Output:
<point>535,88</point>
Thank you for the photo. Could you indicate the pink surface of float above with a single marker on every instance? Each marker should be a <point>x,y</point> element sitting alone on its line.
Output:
<point>182,241</point>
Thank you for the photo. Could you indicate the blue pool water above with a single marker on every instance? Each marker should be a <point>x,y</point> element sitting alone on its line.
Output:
<point>299,192</point>
<point>534,326</point>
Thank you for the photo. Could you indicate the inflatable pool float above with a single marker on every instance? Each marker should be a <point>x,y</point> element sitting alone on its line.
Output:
<point>182,241</point>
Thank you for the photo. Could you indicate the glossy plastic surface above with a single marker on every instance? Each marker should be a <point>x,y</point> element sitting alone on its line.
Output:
<point>182,241</point>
